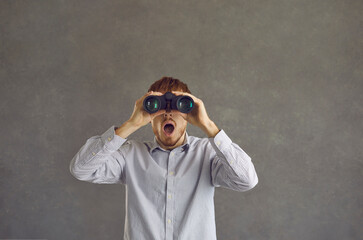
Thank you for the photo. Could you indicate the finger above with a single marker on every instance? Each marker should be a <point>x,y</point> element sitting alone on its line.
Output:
<point>152,93</point>
<point>155,93</point>
<point>180,93</point>
<point>186,94</point>
<point>148,93</point>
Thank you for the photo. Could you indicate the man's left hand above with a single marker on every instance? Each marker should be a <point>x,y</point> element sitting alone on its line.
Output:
<point>198,116</point>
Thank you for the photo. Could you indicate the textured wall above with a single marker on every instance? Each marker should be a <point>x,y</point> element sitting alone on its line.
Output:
<point>282,78</point>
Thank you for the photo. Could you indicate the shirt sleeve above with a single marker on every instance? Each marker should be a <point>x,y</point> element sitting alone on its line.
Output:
<point>98,160</point>
<point>231,168</point>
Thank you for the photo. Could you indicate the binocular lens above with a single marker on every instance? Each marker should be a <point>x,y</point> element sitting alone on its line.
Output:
<point>152,105</point>
<point>168,101</point>
<point>184,105</point>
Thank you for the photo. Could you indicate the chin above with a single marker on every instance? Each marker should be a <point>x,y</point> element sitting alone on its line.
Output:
<point>170,140</point>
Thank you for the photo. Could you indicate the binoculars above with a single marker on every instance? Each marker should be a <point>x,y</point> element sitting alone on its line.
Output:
<point>154,103</point>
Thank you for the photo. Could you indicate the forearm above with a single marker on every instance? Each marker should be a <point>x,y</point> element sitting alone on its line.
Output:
<point>94,161</point>
<point>91,157</point>
<point>210,128</point>
<point>126,129</point>
<point>232,167</point>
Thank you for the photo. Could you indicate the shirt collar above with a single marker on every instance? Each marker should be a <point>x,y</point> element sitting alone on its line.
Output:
<point>181,148</point>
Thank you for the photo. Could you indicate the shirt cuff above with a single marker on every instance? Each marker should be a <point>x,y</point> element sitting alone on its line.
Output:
<point>111,140</point>
<point>220,141</point>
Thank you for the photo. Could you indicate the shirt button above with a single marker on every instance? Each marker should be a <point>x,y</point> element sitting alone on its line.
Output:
<point>169,196</point>
<point>172,154</point>
<point>109,138</point>
<point>169,221</point>
<point>171,173</point>
<point>93,153</point>
<point>218,142</point>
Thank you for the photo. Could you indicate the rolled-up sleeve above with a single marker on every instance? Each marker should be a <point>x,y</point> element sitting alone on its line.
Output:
<point>99,161</point>
<point>231,167</point>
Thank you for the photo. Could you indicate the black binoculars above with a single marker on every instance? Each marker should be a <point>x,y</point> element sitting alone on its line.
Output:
<point>182,103</point>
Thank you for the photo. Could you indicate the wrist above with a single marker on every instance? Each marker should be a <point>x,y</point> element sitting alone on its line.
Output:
<point>210,128</point>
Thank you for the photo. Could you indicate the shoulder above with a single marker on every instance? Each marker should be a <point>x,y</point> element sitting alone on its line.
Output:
<point>198,142</point>
<point>135,145</point>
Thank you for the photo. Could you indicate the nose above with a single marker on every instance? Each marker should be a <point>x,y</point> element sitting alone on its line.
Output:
<point>168,113</point>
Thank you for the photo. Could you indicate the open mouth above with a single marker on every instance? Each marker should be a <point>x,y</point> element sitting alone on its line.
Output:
<point>168,129</point>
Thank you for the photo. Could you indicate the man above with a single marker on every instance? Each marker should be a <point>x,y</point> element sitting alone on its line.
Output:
<point>169,182</point>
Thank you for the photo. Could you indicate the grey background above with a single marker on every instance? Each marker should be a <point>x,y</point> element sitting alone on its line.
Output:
<point>282,78</point>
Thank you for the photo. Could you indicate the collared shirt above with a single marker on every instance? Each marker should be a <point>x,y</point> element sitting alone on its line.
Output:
<point>169,193</point>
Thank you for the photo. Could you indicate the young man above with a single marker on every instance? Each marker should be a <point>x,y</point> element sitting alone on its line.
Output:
<point>170,181</point>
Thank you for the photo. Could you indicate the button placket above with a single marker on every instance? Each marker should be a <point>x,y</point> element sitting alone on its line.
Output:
<point>170,201</point>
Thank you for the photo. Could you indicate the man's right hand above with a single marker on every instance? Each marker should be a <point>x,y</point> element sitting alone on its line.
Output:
<point>140,117</point>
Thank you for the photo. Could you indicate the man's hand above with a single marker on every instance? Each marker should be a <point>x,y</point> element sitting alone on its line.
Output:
<point>198,116</point>
<point>140,117</point>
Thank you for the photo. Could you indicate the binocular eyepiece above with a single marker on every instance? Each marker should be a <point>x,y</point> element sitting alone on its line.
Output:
<point>154,103</point>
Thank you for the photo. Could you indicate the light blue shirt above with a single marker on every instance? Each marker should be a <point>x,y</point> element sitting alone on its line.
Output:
<point>169,193</point>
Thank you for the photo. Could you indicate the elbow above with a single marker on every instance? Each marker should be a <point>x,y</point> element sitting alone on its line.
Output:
<point>75,168</point>
<point>82,174</point>
<point>254,182</point>
<point>76,172</point>
<point>248,185</point>
<point>79,175</point>
<point>253,178</point>
<point>73,172</point>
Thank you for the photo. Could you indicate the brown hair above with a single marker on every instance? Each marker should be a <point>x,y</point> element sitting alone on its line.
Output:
<point>168,84</point>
